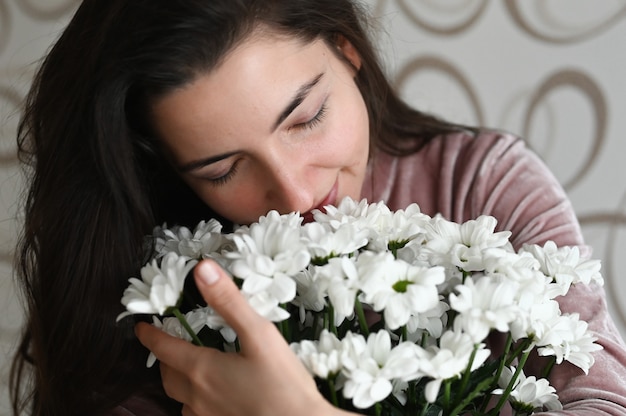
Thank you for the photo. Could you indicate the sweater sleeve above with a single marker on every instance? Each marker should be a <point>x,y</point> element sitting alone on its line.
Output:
<point>498,175</point>
<point>462,177</point>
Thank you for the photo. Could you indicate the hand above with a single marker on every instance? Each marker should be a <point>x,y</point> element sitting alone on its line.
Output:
<point>265,378</point>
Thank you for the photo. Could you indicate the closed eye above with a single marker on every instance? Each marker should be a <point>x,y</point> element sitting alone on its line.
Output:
<point>317,118</point>
<point>224,179</point>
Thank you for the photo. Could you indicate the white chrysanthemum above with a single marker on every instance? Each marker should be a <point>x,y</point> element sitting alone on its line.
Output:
<point>345,212</point>
<point>564,265</point>
<point>206,238</point>
<point>271,247</point>
<point>215,322</point>
<point>267,254</point>
<point>484,305</point>
<point>324,242</point>
<point>567,338</point>
<point>160,287</point>
<point>535,321</point>
<point>432,321</point>
<point>370,367</point>
<point>507,263</point>
<point>268,303</point>
<point>449,360</point>
<point>370,218</point>
<point>528,393</point>
<point>462,245</point>
<point>523,269</point>
<point>397,288</point>
<point>310,294</point>
<point>394,230</point>
<point>196,319</point>
<point>340,279</point>
<point>322,358</point>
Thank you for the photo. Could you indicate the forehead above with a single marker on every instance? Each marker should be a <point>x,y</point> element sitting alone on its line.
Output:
<point>250,86</point>
<point>267,61</point>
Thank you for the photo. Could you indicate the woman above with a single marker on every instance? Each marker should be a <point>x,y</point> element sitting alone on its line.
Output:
<point>173,111</point>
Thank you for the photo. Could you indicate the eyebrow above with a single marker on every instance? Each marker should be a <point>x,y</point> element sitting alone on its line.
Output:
<point>301,94</point>
<point>197,164</point>
<point>298,98</point>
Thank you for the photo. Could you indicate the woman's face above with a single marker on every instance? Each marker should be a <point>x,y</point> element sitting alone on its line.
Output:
<point>279,124</point>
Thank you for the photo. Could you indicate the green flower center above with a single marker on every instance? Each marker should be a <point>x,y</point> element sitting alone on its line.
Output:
<point>401,285</point>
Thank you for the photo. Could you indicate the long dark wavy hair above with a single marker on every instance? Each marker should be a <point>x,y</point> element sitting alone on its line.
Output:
<point>98,182</point>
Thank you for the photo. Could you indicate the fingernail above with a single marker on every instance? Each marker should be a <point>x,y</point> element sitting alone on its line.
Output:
<point>207,273</point>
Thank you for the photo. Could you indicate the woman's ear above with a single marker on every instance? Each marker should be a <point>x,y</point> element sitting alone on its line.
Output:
<point>348,50</point>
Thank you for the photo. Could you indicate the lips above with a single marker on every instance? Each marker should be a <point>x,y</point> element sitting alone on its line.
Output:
<point>330,199</point>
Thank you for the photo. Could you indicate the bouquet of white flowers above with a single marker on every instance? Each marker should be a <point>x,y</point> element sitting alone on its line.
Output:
<point>390,311</point>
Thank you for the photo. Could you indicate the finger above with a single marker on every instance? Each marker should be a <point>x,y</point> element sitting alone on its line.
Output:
<point>175,352</point>
<point>186,411</point>
<point>176,384</point>
<point>221,293</point>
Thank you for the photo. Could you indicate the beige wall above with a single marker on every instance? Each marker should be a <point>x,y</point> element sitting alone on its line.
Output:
<point>551,70</point>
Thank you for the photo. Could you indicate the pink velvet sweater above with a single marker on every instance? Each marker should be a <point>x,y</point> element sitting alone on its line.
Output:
<point>462,177</point>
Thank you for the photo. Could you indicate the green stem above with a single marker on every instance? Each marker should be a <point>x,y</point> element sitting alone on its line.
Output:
<point>546,371</point>
<point>468,370</point>
<point>185,324</point>
<point>361,315</point>
<point>395,407</point>
<point>496,377</point>
<point>316,322</point>
<point>507,349</point>
<point>481,387</point>
<point>509,387</point>
<point>333,392</point>
<point>411,399</point>
<point>284,326</point>
<point>325,321</point>
<point>331,319</point>
<point>447,385</point>
<point>521,347</point>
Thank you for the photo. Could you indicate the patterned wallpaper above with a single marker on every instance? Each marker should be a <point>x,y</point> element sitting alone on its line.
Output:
<point>550,70</point>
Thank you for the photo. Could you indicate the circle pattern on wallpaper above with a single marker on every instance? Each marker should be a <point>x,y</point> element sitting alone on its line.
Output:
<point>47,9</point>
<point>565,21</point>
<point>444,18</point>
<point>455,79</point>
<point>570,80</point>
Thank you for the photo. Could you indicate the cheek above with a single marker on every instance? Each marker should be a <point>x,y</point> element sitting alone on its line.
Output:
<point>353,133</point>
<point>239,204</point>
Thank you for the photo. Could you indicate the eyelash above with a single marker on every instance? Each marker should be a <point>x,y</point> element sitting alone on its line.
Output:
<point>314,121</point>
<point>223,180</point>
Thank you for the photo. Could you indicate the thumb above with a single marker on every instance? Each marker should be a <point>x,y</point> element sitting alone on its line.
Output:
<point>220,293</point>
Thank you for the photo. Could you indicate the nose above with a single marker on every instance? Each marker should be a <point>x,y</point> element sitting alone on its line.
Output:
<point>288,188</point>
